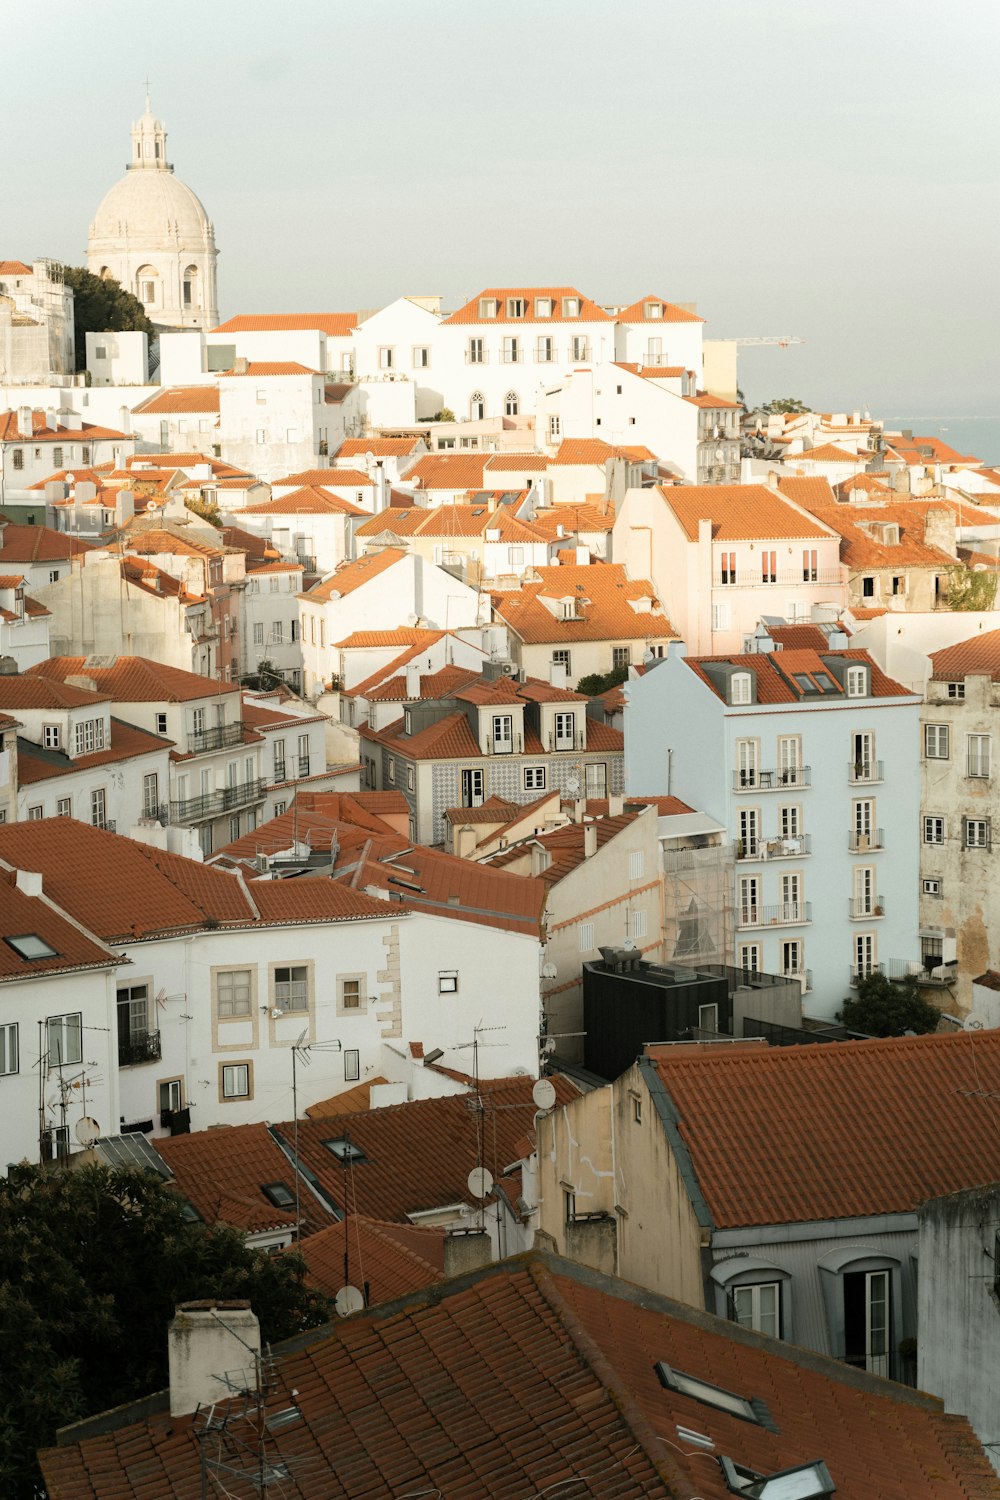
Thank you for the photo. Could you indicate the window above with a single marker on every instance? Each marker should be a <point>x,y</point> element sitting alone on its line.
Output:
<point>53,575</point>
<point>36,813</point>
<point>569,1204</point>
<point>472,788</point>
<point>477,354</point>
<point>534,778</point>
<point>487,307</point>
<point>410,779</point>
<point>234,829</point>
<point>278,751</point>
<point>350,992</point>
<point>545,351</point>
<point>936,741</point>
<point>789,759</point>
<point>88,736</point>
<point>511,404</point>
<point>708,1018</point>
<point>278,628</point>
<point>977,833</point>
<point>421,357</point>
<point>258,633</point>
<point>596,784</point>
<point>477,406</point>
<point>711,1395</point>
<point>448,982</point>
<point>636,864</point>
<point>503,733</point>
<point>868,588</point>
<point>621,658</point>
<point>810,568</point>
<point>791,957</point>
<point>511,350</point>
<point>291,988</point>
<point>98,808</point>
<point>543,307</point>
<point>727,564</point>
<point>516,307</point>
<point>150,795</point>
<point>637,1108</point>
<point>29,945</point>
<point>769,567</point>
<point>8,1048</point>
<point>956,690</point>
<point>385,358</point>
<point>931,887</point>
<point>571,307</point>
<point>749,956</point>
<point>57,458</point>
<point>586,937</point>
<point>638,923</point>
<point>18,458</point>
<point>554,428</point>
<point>565,731</point>
<point>344,1150</point>
<point>759,1307</point>
<point>65,1039</point>
<point>161,723</point>
<point>739,688</point>
<point>562,658</point>
<point>51,736</point>
<point>352,1065</point>
<point>580,349</point>
<point>390,771</point>
<point>233,993</point>
<point>64,807</point>
<point>236,1080</point>
<point>978,755</point>
<point>746,762</point>
<point>933,830</point>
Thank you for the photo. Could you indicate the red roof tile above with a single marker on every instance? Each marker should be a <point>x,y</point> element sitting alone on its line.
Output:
<point>784,1134</point>
<point>337,325</point>
<point>979,656</point>
<point>589,311</point>
<point>738,512</point>
<point>378,447</point>
<point>27,544</point>
<point>34,763</point>
<point>223,1173</point>
<point>14,268</point>
<point>35,915</point>
<point>41,432</point>
<point>775,675</point>
<point>309,500</point>
<point>354,575</point>
<point>604,597</point>
<point>448,471</point>
<point>390,1259</point>
<point>267,367</point>
<point>670,312</point>
<point>180,399</point>
<point>135,679</point>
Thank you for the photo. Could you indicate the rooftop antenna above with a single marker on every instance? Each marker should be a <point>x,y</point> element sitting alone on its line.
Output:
<point>306,1049</point>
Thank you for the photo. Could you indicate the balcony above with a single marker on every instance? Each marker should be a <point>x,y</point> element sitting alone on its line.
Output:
<point>213,804</point>
<point>140,1047</point>
<point>866,843</point>
<point>785,914</point>
<point>752,780</point>
<point>774,848</point>
<point>861,908</point>
<point>783,577</point>
<point>217,738</point>
<point>503,746</point>
<point>864,972</point>
<point>477,357</point>
<point>803,976</point>
<point>108,824</point>
<point>865,772</point>
<point>931,970</point>
<point>576,741</point>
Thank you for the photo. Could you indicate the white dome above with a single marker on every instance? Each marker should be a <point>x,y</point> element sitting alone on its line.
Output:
<point>153,209</point>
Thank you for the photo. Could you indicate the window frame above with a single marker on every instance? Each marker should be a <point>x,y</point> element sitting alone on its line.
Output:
<point>360,979</point>
<point>229,1095</point>
<point>72,1015</point>
<point>937,733</point>
<point>10,1048</point>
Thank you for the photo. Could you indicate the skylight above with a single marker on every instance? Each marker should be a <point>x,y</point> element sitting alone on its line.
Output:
<point>279,1194</point>
<point>712,1395</point>
<point>805,683</point>
<point>805,1482</point>
<point>345,1150</point>
<point>30,945</point>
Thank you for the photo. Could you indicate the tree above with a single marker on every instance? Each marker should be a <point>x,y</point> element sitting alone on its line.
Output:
<point>784,404</point>
<point>102,305</point>
<point>601,682</point>
<point>971,588</point>
<point>92,1263</point>
<point>884,1008</point>
<point>444,415</point>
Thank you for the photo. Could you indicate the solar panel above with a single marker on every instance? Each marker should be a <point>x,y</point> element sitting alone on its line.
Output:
<point>131,1150</point>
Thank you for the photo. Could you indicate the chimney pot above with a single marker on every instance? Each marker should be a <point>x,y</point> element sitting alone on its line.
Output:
<point>206,1340</point>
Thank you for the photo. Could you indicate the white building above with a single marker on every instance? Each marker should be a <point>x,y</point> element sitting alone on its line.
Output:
<point>34,444</point>
<point>152,235</point>
<point>277,416</point>
<point>809,759</point>
<point>37,345</point>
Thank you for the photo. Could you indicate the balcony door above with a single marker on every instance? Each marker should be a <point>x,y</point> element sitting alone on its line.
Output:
<point>472,788</point>
<point>746,762</point>
<point>862,755</point>
<point>133,1022</point>
<point>866,1320</point>
<point>749,900</point>
<point>749,831</point>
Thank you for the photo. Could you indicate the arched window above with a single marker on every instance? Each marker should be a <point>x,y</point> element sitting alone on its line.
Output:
<point>477,406</point>
<point>105,273</point>
<point>511,404</point>
<point>189,286</point>
<point>146,280</point>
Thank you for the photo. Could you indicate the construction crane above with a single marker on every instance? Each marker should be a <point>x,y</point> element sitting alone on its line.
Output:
<point>782,340</point>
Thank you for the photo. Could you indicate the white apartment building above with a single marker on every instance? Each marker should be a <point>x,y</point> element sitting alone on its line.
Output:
<point>37,345</point>
<point>276,416</point>
<point>35,444</point>
<point>271,632</point>
<point>809,759</point>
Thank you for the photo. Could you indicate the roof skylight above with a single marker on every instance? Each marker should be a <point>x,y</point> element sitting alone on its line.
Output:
<point>805,1482</point>
<point>713,1395</point>
<point>30,945</point>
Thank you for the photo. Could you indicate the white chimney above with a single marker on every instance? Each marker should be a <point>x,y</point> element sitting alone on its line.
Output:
<point>24,428</point>
<point>50,419</point>
<point>29,882</point>
<point>557,674</point>
<point>589,840</point>
<point>413,679</point>
<point>206,1343</point>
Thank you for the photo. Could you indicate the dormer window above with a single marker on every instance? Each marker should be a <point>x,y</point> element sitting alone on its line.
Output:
<point>857,682</point>
<point>487,307</point>
<point>654,310</point>
<point>543,307</point>
<point>516,307</point>
<point>740,688</point>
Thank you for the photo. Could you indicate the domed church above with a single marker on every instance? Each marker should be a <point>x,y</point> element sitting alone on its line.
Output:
<point>153,235</point>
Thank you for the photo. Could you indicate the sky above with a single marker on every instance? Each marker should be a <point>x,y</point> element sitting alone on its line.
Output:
<point>795,167</point>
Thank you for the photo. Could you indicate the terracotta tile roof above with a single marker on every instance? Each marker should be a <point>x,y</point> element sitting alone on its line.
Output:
<point>34,763</point>
<point>444,885</point>
<point>574,520</point>
<point>20,691</point>
<point>811,492</point>
<point>535,1375</point>
<point>304,477</point>
<point>440,684</point>
<point>317,819</point>
<point>350,1101</point>
<point>259,716</point>
<point>273,566</point>
<point>180,398</point>
<point>862,548</point>
<point>15,268</point>
<point>738,512</point>
<point>27,544</point>
<point>868,614</point>
<point>347,479</point>
<point>799,637</point>
<point>379,447</point>
<point>566,846</point>
<point>589,311</point>
<point>157,541</point>
<point>392,1260</point>
<point>652,372</point>
<point>185,461</point>
<point>309,500</point>
<point>757,1122</point>
<point>518,462</point>
<point>448,471</point>
<point>395,522</point>
<point>464,520</point>
<point>928,450</point>
<point>604,597</point>
<point>977,657</point>
<point>990,980</point>
<point>79,475</point>
<point>828,453</point>
<point>153,580</point>
<point>247,541</point>
<point>706,401</point>
<point>87,432</point>
<point>596,451</point>
<point>775,675</point>
<point>24,915</point>
<point>360,640</point>
<point>670,312</point>
<point>337,325</point>
<point>494,810</point>
<point>870,483</point>
<point>135,679</point>
<point>418,1155</point>
<point>259,368</point>
<point>223,1172</point>
<point>354,575</point>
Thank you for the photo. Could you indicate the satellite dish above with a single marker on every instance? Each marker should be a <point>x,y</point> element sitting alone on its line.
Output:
<point>87,1131</point>
<point>549,971</point>
<point>276,1013</point>
<point>480,1182</point>
<point>975,1022</point>
<point>573,786</point>
<point>629,945</point>
<point>544,1094</point>
<point>348,1300</point>
<point>369,459</point>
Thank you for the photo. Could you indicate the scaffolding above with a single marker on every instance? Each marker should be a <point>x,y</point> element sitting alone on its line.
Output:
<point>698,902</point>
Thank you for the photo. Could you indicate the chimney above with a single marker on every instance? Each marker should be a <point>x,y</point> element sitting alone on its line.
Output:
<point>589,840</point>
<point>772,479</point>
<point>50,418</point>
<point>205,1341</point>
<point>24,427</point>
<point>29,882</point>
<point>557,674</point>
<point>579,808</point>
<point>616,805</point>
<point>241,365</point>
<point>466,1250</point>
<point>124,420</point>
<point>412,679</point>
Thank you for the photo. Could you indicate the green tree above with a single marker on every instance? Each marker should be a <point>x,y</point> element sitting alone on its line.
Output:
<point>599,682</point>
<point>444,415</point>
<point>971,588</point>
<point>92,1263</point>
<point>883,1007</point>
<point>102,306</point>
<point>784,404</point>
